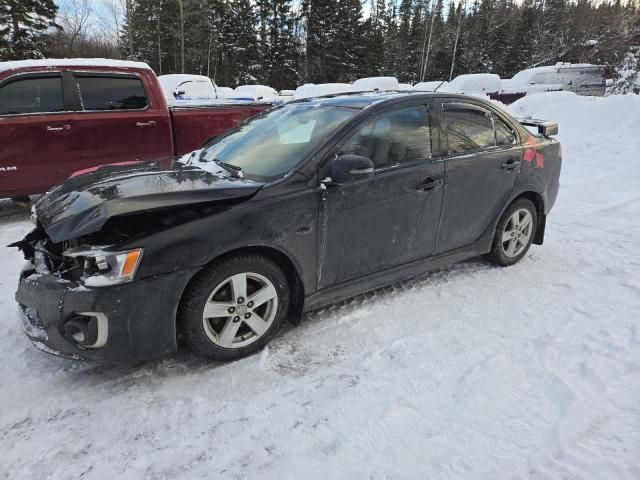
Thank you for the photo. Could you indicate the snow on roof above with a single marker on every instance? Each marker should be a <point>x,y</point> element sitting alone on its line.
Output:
<point>429,86</point>
<point>255,92</point>
<point>317,90</point>
<point>194,86</point>
<point>526,76</point>
<point>473,83</point>
<point>71,62</point>
<point>376,83</point>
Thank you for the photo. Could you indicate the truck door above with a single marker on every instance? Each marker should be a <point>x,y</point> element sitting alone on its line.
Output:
<point>36,123</point>
<point>118,120</point>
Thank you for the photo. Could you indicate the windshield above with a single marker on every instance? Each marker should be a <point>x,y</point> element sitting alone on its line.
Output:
<point>272,144</point>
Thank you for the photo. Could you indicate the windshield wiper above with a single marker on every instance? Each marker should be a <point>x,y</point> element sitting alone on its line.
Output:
<point>232,169</point>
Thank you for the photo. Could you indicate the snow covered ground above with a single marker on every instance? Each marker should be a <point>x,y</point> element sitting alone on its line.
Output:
<point>472,372</point>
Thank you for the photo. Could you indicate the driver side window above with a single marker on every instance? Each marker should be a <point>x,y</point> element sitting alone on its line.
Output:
<point>392,138</point>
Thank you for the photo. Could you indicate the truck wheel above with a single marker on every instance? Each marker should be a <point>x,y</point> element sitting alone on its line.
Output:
<point>234,307</point>
<point>514,234</point>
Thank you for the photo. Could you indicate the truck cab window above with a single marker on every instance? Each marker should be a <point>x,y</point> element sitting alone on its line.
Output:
<point>393,138</point>
<point>468,128</point>
<point>32,95</point>
<point>111,93</point>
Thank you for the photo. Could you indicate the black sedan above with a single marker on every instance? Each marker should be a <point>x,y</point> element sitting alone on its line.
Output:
<point>306,204</point>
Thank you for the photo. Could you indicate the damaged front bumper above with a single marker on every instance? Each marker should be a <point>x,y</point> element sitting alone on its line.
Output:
<point>132,321</point>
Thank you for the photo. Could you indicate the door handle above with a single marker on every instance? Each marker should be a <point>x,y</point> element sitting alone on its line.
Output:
<point>63,128</point>
<point>510,164</point>
<point>429,184</point>
<point>150,123</point>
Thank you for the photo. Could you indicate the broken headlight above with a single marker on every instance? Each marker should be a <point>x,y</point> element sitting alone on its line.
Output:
<point>102,268</point>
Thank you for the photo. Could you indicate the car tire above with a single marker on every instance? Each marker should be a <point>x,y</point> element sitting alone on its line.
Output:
<point>514,233</point>
<point>222,317</point>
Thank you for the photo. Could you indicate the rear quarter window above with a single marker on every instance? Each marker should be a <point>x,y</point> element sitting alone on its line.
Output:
<point>505,135</point>
<point>111,93</point>
<point>468,128</point>
<point>32,95</point>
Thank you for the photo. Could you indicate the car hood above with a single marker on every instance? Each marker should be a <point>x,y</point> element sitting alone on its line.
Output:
<point>82,204</point>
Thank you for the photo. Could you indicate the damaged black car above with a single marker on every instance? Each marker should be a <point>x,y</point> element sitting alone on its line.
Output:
<point>304,205</point>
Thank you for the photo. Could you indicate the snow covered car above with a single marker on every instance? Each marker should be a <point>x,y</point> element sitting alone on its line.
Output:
<point>306,204</point>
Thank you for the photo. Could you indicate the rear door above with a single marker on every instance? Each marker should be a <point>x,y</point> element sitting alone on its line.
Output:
<point>392,217</point>
<point>36,125</point>
<point>118,121</point>
<point>483,160</point>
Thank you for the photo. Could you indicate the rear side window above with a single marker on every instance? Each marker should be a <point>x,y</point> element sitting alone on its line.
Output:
<point>504,134</point>
<point>111,93</point>
<point>468,128</point>
<point>393,138</point>
<point>32,95</point>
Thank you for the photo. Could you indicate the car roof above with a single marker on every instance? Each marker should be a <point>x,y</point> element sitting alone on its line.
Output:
<point>71,62</point>
<point>362,100</point>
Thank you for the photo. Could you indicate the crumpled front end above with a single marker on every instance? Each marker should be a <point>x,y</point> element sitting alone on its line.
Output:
<point>120,322</point>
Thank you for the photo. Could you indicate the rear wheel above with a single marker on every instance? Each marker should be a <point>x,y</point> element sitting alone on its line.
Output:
<point>514,233</point>
<point>234,307</point>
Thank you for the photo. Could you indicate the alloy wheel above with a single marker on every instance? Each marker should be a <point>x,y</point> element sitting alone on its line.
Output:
<point>517,232</point>
<point>240,310</point>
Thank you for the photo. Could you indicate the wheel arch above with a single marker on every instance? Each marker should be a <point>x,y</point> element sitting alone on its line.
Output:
<point>538,202</point>
<point>283,261</point>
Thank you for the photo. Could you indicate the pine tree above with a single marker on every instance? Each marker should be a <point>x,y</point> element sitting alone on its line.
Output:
<point>348,42</point>
<point>281,65</point>
<point>22,27</point>
<point>321,31</point>
<point>374,41</point>
<point>240,47</point>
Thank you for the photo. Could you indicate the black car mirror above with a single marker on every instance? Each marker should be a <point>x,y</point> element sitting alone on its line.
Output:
<point>348,168</point>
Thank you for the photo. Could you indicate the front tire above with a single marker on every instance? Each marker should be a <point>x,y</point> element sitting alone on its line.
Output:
<point>514,233</point>
<point>234,307</point>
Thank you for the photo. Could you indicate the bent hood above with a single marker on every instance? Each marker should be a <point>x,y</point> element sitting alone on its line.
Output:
<point>82,204</point>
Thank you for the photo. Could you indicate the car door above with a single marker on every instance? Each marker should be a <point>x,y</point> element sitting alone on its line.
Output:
<point>391,217</point>
<point>482,164</point>
<point>35,128</point>
<point>119,121</point>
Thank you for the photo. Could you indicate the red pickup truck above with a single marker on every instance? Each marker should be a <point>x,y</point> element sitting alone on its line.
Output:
<point>61,116</point>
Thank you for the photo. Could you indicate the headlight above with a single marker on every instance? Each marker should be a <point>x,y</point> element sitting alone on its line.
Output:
<point>102,269</point>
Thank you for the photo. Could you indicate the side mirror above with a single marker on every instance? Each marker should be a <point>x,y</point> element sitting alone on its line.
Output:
<point>348,168</point>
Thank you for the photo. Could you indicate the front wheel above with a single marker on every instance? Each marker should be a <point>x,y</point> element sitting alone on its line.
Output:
<point>514,233</point>
<point>234,307</point>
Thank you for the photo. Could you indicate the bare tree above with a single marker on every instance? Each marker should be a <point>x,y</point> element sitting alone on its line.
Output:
<point>428,49</point>
<point>129,16</point>
<point>455,43</point>
<point>181,6</point>
<point>112,21</point>
<point>75,19</point>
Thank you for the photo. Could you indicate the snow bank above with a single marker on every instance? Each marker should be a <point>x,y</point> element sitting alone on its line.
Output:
<point>578,116</point>
<point>71,62</point>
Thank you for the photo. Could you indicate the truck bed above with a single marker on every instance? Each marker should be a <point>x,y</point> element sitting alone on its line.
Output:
<point>195,125</point>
